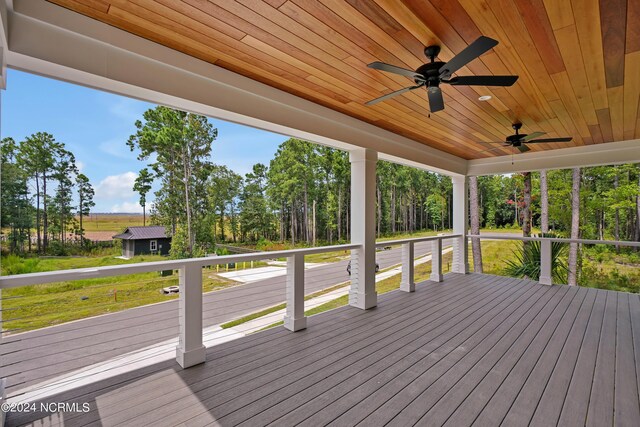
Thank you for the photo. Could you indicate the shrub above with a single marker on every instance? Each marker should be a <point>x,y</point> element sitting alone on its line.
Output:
<point>527,261</point>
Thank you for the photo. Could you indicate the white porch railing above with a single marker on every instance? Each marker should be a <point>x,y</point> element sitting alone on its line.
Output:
<point>407,283</point>
<point>190,350</point>
<point>546,276</point>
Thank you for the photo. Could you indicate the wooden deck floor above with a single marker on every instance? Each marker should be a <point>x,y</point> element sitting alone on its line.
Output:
<point>475,349</point>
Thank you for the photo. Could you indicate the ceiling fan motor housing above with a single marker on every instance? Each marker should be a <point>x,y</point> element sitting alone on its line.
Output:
<point>430,72</point>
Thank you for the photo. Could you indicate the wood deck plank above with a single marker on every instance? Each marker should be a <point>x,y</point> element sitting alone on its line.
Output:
<point>328,355</point>
<point>549,381</point>
<point>504,350</point>
<point>228,362</point>
<point>634,311</point>
<point>517,398</point>
<point>384,373</point>
<point>385,405</point>
<point>416,345</point>
<point>444,396</point>
<point>626,402</point>
<point>523,353</point>
<point>600,411</point>
<point>574,409</point>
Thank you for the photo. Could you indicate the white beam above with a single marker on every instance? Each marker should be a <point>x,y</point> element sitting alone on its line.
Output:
<point>611,153</point>
<point>460,262</point>
<point>190,350</point>
<point>363,228</point>
<point>3,44</point>
<point>294,319</point>
<point>49,40</point>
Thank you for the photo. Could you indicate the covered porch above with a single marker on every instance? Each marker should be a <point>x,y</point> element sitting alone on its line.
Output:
<point>473,349</point>
<point>462,349</point>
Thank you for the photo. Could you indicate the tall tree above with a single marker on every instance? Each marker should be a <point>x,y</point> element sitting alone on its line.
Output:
<point>475,223</point>
<point>575,227</point>
<point>255,217</point>
<point>16,205</point>
<point>526,205</point>
<point>544,202</point>
<point>64,173</point>
<point>85,201</point>
<point>637,233</point>
<point>36,156</point>
<point>180,145</point>
<point>224,187</point>
<point>142,186</point>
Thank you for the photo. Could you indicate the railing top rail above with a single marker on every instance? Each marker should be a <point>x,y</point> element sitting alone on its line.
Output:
<point>18,280</point>
<point>553,239</point>
<point>416,240</point>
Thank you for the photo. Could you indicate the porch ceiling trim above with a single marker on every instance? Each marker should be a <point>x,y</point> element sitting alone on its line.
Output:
<point>611,153</point>
<point>52,41</point>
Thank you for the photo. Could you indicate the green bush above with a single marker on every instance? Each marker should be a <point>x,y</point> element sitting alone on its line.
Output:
<point>13,264</point>
<point>527,261</point>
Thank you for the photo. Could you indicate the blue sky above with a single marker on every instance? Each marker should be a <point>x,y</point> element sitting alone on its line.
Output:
<point>95,126</point>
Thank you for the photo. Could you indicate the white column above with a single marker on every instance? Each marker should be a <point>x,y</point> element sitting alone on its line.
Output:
<point>460,224</point>
<point>436,261</point>
<point>294,319</point>
<point>363,228</point>
<point>545,263</point>
<point>407,282</point>
<point>190,350</point>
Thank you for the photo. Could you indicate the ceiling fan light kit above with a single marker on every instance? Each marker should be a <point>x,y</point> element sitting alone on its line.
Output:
<point>433,73</point>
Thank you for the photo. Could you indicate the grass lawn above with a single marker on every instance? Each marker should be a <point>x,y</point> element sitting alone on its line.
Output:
<point>112,223</point>
<point>34,307</point>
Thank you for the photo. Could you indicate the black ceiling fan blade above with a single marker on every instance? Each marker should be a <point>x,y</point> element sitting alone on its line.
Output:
<point>392,94</point>
<point>396,70</point>
<point>565,139</point>
<point>532,135</point>
<point>483,80</point>
<point>522,148</point>
<point>468,54</point>
<point>436,101</point>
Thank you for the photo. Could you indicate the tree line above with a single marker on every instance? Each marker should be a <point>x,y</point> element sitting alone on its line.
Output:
<point>302,196</point>
<point>597,203</point>
<point>44,194</point>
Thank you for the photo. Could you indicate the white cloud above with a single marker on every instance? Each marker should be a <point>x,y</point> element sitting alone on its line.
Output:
<point>80,166</point>
<point>126,207</point>
<point>116,187</point>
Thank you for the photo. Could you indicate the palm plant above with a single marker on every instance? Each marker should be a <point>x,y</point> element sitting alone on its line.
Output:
<point>527,261</point>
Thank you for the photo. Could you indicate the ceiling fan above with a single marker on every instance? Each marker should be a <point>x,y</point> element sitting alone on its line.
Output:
<point>518,139</point>
<point>431,74</point>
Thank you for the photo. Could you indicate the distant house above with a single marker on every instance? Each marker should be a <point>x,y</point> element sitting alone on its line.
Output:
<point>144,241</point>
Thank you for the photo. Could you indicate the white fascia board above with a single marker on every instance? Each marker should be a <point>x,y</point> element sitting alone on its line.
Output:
<point>3,44</point>
<point>52,41</point>
<point>611,153</point>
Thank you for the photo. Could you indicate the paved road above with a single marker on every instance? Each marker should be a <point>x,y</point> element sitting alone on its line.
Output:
<point>34,356</point>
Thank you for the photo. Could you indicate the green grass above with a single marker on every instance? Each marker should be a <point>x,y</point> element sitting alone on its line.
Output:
<point>113,223</point>
<point>38,306</point>
<point>253,316</point>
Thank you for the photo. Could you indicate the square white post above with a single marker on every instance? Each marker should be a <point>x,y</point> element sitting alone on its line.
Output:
<point>363,228</point>
<point>545,262</point>
<point>294,319</point>
<point>460,225</point>
<point>190,350</point>
<point>436,261</point>
<point>407,282</point>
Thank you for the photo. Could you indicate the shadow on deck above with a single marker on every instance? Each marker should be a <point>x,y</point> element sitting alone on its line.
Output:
<point>474,349</point>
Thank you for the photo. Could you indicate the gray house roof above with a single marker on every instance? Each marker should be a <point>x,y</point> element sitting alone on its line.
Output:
<point>141,233</point>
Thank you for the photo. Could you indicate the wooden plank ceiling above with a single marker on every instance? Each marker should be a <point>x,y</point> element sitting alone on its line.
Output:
<point>578,60</point>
